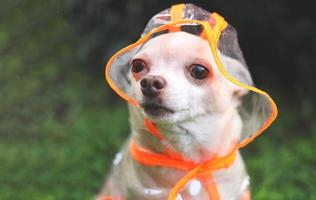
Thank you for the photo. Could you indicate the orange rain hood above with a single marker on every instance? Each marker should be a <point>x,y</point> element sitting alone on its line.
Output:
<point>257,110</point>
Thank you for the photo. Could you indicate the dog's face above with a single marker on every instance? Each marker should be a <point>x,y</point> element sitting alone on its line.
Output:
<point>175,78</point>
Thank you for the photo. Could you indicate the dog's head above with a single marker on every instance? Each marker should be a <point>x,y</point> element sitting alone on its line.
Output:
<point>182,70</point>
<point>174,78</point>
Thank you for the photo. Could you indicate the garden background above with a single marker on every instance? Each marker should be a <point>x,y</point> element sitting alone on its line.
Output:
<point>60,124</point>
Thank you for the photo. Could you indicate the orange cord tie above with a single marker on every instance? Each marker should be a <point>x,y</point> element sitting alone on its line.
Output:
<point>169,158</point>
<point>203,171</point>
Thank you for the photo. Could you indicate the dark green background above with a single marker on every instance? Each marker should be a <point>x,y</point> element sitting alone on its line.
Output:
<point>60,124</point>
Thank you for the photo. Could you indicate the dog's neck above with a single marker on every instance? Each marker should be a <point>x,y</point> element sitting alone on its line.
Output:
<point>198,139</point>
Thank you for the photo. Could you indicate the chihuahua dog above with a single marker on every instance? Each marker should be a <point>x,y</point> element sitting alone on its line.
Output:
<point>193,106</point>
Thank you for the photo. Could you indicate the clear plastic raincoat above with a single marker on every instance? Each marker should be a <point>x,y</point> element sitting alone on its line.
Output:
<point>257,110</point>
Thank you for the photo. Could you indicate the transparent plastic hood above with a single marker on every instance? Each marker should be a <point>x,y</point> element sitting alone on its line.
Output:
<point>257,109</point>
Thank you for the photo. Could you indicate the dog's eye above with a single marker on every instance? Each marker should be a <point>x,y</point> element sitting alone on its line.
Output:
<point>198,71</point>
<point>138,65</point>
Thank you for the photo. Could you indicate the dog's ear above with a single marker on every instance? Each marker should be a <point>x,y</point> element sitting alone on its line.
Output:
<point>239,72</point>
<point>120,72</point>
<point>121,77</point>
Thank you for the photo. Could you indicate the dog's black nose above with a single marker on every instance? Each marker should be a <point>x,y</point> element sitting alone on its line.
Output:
<point>152,86</point>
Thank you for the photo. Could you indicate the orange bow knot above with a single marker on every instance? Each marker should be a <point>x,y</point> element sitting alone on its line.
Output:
<point>202,171</point>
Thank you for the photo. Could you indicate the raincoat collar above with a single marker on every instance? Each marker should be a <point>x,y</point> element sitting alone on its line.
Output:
<point>171,159</point>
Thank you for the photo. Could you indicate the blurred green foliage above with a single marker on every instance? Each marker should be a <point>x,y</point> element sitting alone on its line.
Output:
<point>55,118</point>
<point>60,125</point>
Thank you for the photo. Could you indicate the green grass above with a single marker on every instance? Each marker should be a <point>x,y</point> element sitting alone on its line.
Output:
<point>282,162</point>
<point>67,161</point>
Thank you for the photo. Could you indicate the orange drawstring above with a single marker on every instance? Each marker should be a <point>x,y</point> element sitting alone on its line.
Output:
<point>151,127</point>
<point>202,171</point>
